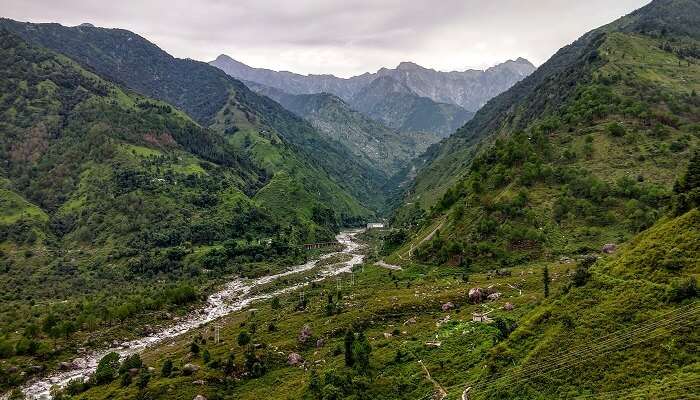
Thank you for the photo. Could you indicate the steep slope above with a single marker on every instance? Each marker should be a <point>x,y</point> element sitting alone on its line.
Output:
<point>214,99</point>
<point>640,305</point>
<point>379,145</point>
<point>468,89</point>
<point>113,206</point>
<point>581,153</point>
<point>394,104</point>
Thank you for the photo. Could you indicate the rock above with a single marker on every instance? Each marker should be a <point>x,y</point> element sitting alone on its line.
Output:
<point>199,397</point>
<point>65,366</point>
<point>35,369</point>
<point>448,306</point>
<point>609,248</point>
<point>475,295</point>
<point>387,335</point>
<point>294,359</point>
<point>199,382</point>
<point>320,343</point>
<point>80,363</point>
<point>494,296</point>
<point>508,306</point>
<point>189,369</point>
<point>12,369</point>
<point>133,371</point>
<point>410,321</point>
<point>305,334</point>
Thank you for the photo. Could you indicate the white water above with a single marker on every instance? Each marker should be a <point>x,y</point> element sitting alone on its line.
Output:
<point>233,297</point>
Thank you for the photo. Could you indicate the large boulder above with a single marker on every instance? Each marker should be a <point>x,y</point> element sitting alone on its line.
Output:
<point>305,334</point>
<point>494,296</point>
<point>476,295</point>
<point>294,359</point>
<point>189,369</point>
<point>609,248</point>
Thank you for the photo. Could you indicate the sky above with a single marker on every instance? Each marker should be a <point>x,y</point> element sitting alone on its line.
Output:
<point>342,37</point>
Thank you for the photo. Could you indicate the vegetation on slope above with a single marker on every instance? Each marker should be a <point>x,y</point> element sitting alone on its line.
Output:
<point>205,93</point>
<point>117,207</point>
<point>595,168</point>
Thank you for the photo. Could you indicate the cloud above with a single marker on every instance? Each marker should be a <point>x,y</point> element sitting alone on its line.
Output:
<point>343,37</point>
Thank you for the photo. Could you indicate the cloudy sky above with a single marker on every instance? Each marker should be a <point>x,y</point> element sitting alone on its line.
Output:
<point>342,37</point>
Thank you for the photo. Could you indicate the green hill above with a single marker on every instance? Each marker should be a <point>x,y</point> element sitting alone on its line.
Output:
<point>385,148</point>
<point>116,207</point>
<point>582,153</point>
<point>216,100</point>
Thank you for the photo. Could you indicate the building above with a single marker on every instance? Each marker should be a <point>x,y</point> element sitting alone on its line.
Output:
<point>375,225</point>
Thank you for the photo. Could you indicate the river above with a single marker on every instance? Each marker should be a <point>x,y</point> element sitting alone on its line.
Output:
<point>234,296</point>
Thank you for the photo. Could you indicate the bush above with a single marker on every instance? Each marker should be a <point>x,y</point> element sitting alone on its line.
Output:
<point>682,289</point>
<point>616,129</point>
<point>107,369</point>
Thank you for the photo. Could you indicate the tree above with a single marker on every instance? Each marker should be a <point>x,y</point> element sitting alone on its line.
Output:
<point>349,340</point>
<point>545,281</point>
<point>243,338</point>
<point>167,368</point>
<point>360,352</point>
<point>126,379</point>
<point>107,368</point>
<point>206,356</point>
<point>144,378</point>
<point>194,348</point>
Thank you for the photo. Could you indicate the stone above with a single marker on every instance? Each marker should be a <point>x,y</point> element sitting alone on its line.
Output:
<point>410,321</point>
<point>65,366</point>
<point>320,343</point>
<point>189,369</point>
<point>305,334</point>
<point>508,306</point>
<point>12,369</point>
<point>294,359</point>
<point>133,371</point>
<point>448,306</point>
<point>199,397</point>
<point>494,296</point>
<point>387,335</point>
<point>609,248</point>
<point>475,295</point>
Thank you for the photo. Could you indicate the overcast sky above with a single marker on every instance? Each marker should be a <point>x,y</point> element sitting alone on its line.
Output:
<point>342,37</point>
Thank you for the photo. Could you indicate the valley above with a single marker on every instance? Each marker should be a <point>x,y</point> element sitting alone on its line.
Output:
<point>177,229</point>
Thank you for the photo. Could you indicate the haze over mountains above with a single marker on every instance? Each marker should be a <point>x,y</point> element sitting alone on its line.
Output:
<point>418,103</point>
<point>468,89</point>
<point>147,200</point>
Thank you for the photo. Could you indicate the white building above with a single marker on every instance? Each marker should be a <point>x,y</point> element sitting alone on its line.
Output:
<point>375,225</point>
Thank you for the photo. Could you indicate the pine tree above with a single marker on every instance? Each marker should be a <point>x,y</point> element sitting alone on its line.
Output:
<point>349,340</point>
<point>545,281</point>
<point>167,368</point>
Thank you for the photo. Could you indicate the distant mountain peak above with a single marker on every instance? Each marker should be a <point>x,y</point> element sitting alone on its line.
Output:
<point>408,66</point>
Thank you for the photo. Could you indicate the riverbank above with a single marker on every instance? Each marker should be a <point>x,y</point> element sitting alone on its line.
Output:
<point>235,295</point>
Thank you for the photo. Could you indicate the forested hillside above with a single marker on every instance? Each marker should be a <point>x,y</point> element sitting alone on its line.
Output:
<point>387,149</point>
<point>114,204</point>
<point>216,100</point>
<point>582,153</point>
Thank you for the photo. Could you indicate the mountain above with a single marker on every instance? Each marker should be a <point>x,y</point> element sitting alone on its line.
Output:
<point>393,103</point>
<point>386,148</point>
<point>468,89</point>
<point>583,152</point>
<point>274,138</point>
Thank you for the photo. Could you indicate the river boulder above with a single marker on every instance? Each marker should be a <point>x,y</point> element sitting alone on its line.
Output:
<point>189,369</point>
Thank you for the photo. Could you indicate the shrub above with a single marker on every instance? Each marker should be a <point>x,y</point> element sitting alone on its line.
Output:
<point>616,129</point>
